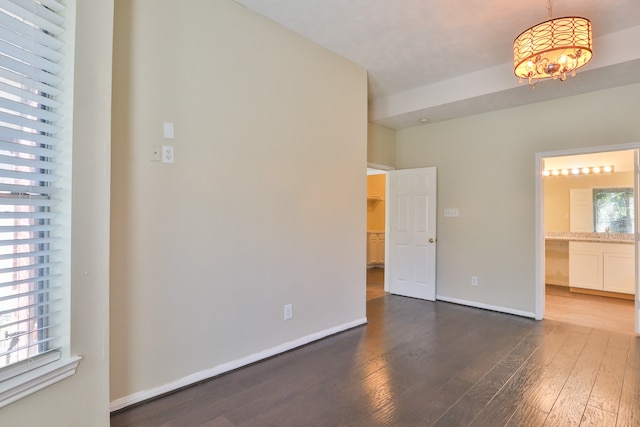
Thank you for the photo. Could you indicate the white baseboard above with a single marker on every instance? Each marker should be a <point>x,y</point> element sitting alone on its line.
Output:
<point>486,306</point>
<point>141,396</point>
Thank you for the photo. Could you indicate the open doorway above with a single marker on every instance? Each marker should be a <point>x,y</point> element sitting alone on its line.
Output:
<point>376,228</point>
<point>588,205</point>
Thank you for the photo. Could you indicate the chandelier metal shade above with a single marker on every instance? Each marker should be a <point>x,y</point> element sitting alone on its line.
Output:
<point>552,49</point>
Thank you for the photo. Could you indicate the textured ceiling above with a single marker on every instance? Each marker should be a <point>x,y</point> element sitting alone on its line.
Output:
<point>422,55</point>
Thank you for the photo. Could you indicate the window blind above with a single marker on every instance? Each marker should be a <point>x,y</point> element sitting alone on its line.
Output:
<point>29,67</point>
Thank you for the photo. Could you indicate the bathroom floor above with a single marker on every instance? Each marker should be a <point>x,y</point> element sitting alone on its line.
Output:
<point>612,314</point>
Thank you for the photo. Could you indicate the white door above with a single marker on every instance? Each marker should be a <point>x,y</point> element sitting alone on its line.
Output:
<point>411,233</point>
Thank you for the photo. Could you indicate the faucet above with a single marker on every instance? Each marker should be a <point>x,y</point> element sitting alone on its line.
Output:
<point>606,232</point>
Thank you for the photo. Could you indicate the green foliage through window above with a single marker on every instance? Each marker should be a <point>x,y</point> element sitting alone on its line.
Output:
<point>613,209</point>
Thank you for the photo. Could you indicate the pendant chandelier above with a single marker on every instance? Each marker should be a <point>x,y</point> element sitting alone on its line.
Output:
<point>552,49</point>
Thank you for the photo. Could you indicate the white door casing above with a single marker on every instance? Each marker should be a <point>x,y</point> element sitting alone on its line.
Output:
<point>636,197</point>
<point>540,227</point>
<point>411,233</point>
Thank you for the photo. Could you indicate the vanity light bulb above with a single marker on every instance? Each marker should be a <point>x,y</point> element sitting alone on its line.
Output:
<point>565,171</point>
<point>585,170</point>
<point>575,171</point>
<point>608,168</point>
<point>596,169</point>
<point>546,173</point>
<point>555,172</point>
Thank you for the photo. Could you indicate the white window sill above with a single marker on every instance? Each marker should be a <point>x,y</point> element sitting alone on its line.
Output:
<point>29,382</point>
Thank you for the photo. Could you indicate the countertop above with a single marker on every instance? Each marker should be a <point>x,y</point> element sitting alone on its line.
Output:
<point>590,237</point>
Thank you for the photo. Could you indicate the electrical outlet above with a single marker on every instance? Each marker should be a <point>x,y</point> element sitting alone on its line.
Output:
<point>288,311</point>
<point>168,154</point>
<point>474,280</point>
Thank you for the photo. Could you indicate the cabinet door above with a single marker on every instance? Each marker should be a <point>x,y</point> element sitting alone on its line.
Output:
<point>375,247</point>
<point>372,248</point>
<point>619,271</point>
<point>585,266</point>
<point>381,248</point>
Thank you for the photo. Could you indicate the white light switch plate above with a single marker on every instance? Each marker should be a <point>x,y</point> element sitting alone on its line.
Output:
<point>168,130</point>
<point>451,213</point>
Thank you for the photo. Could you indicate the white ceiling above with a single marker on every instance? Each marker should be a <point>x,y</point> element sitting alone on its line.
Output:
<point>446,59</point>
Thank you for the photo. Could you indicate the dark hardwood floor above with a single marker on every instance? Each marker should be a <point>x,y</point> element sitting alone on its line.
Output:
<point>421,363</point>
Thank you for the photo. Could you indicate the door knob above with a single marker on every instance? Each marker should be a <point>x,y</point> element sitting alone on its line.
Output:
<point>431,240</point>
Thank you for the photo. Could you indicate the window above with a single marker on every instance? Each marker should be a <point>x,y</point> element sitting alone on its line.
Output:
<point>613,210</point>
<point>30,330</point>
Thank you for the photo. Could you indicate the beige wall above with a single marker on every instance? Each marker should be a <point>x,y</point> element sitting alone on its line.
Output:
<point>83,400</point>
<point>486,168</point>
<point>376,186</point>
<point>381,145</point>
<point>556,194</point>
<point>263,207</point>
